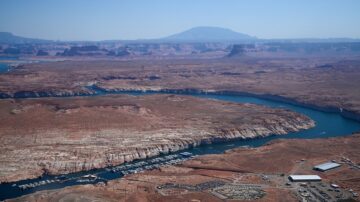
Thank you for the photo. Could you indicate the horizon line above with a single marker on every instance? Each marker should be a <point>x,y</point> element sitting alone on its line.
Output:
<point>164,37</point>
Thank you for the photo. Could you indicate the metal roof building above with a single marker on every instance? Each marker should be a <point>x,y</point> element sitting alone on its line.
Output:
<point>304,178</point>
<point>326,166</point>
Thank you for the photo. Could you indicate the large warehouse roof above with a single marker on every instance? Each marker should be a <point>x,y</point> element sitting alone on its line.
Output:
<point>304,178</point>
<point>326,166</point>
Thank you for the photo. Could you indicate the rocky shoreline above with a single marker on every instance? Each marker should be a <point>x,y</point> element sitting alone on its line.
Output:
<point>40,94</point>
<point>343,112</point>
<point>91,91</point>
<point>246,166</point>
<point>79,155</point>
<point>113,159</point>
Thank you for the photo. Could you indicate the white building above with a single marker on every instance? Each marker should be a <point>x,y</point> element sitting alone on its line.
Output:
<point>326,166</point>
<point>304,178</point>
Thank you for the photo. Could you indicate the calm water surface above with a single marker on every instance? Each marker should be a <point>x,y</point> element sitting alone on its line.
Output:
<point>327,125</point>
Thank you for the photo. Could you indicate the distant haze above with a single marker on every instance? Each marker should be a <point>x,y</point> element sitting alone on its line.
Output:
<point>145,19</point>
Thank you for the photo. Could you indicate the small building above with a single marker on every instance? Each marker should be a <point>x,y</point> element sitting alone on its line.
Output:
<point>304,178</point>
<point>326,166</point>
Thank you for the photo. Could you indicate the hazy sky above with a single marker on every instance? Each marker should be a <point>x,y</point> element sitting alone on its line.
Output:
<point>134,19</point>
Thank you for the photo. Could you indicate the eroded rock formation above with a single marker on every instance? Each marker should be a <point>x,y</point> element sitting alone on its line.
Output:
<point>63,135</point>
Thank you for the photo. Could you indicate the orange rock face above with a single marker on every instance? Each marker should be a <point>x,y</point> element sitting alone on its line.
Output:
<point>63,135</point>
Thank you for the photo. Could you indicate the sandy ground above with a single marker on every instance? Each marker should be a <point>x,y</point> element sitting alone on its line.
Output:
<point>277,158</point>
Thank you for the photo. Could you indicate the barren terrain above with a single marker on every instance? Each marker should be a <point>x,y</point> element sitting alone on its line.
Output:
<point>108,113</point>
<point>244,166</point>
<point>326,83</point>
<point>62,135</point>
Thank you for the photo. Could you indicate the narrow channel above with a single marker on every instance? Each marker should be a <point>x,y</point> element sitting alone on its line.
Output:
<point>327,125</point>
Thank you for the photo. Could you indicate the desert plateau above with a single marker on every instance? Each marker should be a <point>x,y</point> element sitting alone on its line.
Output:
<point>185,101</point>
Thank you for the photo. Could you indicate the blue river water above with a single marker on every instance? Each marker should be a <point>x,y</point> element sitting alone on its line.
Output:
<point>4,65</point>
<point>327,125</point>
<point>3,68</point>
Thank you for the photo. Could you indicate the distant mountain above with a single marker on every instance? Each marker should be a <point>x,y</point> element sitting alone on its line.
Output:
<point>196,34</point>
<point>9,38</point>
<point>209,34</point>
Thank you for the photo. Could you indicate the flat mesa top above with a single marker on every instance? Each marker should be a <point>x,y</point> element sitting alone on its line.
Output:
<point>327,166</point>
<point>305,177</point>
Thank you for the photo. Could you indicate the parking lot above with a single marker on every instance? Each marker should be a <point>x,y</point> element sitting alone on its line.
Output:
<point>321,191</point>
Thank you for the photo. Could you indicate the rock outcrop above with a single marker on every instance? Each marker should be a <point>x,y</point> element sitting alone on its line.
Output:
<point>67,135</point>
